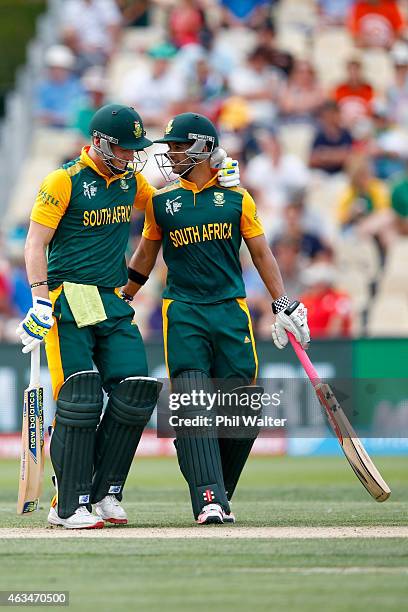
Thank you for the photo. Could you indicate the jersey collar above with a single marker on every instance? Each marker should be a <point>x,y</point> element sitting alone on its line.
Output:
<point>193,187</point>
<point>89,162</point>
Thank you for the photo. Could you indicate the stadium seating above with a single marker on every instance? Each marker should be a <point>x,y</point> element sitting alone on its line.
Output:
<point>389,316</point>
<point>329,48</point>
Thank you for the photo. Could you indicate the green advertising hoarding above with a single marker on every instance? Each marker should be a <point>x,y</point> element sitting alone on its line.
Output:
<point>367,373</point>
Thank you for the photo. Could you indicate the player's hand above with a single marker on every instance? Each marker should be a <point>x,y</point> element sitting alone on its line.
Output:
<point>36,324</point>
<point>294,320</point>
<point>228,168</point>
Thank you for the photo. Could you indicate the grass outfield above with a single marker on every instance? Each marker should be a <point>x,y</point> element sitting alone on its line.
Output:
<point>180,574</point>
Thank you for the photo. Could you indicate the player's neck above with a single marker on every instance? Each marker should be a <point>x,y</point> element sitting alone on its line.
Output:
<point>200,175</point>
<point>98,162</point>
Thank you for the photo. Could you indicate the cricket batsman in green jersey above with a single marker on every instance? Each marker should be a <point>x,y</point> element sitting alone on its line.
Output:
<point>82,216</point>
<point>206,322</point>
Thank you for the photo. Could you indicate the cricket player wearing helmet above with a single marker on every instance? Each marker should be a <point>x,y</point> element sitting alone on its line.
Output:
<point>206,322</point>
<point>82,215</point>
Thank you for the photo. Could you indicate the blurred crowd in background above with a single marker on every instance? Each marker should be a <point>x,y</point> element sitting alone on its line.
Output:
<point>358,133</point>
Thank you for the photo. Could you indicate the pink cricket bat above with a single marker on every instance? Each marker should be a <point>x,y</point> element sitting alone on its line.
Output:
<point>354,450</point>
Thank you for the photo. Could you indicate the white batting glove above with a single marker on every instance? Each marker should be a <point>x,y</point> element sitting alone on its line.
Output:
<point>294,320</point>
<point>228,168</point>
<point>36,324</point>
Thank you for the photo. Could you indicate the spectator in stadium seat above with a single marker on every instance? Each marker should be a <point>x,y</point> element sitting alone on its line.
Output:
<point>354,95</point>
<point>259,85</point>
<point>91,28</point>
<point>376,23</point>
<point>291,264</point>
<point>60,91</point>
<point>20,290</point>
<point>272,175</point>
<point>388,147</point>
<point>399,202</point>
<point>6,308</point>
<point>334,12</point>
<point>332,143</point>
<point>328,309</point>
<point>301,96</point>
<point>397,93</point>
<point>249,12</point>
<point>295,226</point>
<point>95,86</point>
<point>156,88</point>
<point>205,85</point>
<point>266,38</point>
<point>21,297</point>
<point>220,55</point>
<point>185,22</point>
<point>364,206</point>
<point>135,13</point>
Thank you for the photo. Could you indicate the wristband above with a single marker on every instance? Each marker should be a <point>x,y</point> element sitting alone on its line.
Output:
<point>280,304</point>
<point>126,297</point>
<point>137,277</point>
<point>39,284</point>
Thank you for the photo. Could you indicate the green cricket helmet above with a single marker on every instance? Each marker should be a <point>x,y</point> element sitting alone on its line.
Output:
<point>187,128</point>
<point>115,124</point>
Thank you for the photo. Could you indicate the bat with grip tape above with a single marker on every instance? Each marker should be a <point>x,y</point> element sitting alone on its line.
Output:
<point>352,446</point>
<point>32,441</point>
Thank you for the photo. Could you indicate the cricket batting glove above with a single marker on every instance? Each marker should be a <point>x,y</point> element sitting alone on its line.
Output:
<point>228,168</point>
<point>36,325</point>
<point>290,317</point>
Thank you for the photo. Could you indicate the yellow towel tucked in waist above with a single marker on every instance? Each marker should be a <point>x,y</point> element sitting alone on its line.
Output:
<point>85,303</point>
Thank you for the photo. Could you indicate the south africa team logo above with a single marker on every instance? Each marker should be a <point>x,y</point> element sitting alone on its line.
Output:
<point>219,198</point>
<point>123,185</point>
<point>138,131</point>
<point>173,206</point>
<point>169,127</point>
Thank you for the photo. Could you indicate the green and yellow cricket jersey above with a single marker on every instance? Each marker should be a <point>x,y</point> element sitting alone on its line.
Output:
<point>201,231</point>
<point>91,214</point>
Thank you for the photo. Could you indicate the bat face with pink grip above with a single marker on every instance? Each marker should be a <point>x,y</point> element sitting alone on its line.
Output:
<point>351,445</point>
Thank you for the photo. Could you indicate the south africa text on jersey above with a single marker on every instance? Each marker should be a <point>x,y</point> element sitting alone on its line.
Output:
<point>209,231</point>
<point>107,216</point>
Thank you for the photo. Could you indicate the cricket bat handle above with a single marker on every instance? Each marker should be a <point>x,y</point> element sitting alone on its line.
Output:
<point>35,366</point>
<point>304,360</point>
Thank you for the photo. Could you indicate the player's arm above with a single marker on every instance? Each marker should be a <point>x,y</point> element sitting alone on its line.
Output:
<point>141,264</point>
<point>143,259</point>
<point>266,264</point>
<point>49,207</point>
<point>38,238</point>
<point>290,317</point>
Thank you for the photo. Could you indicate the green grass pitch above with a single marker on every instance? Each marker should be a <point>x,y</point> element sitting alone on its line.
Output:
<point>225,573</point>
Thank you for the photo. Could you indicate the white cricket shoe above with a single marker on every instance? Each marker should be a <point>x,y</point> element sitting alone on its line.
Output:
<point>228,518</point>
<point>81,519</point>
<point>110,510</point>
<point>211,514</point>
